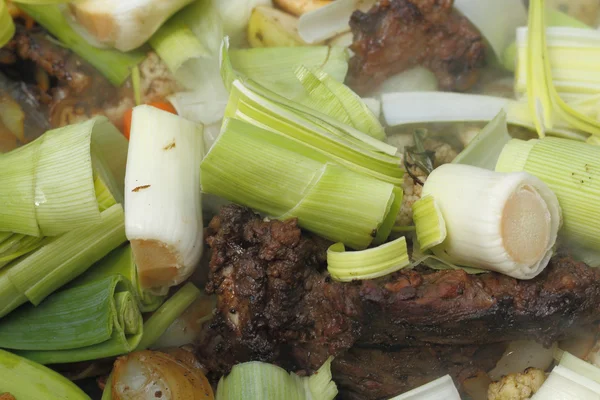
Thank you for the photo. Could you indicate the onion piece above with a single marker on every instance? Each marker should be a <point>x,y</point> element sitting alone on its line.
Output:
<point>520,355</point>
<point>145,374</point>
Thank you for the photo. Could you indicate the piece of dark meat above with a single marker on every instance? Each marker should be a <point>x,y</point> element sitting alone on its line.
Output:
<point>396,35</point>
<point>277,303</point>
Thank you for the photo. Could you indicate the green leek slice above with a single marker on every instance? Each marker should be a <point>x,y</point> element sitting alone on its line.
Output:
<point>484,150</point>
<point>367,264</point>
<point>429,222</point>
<point>42,272</point>
<point>97,320</point>
<point>114,65</point>
<point>572,170</point>
<point>121,262</point>
<point>26,379</point>
<point>7,27</point>
<point>158,323</point>
<point>333,98</point>
<point>256,381</point>
<point>275,175</point>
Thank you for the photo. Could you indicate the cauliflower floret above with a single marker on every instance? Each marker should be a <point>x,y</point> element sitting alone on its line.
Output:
<point>157,82</point>
<point>519,386</point>
<point>412,193</point>
<point>444,153</point>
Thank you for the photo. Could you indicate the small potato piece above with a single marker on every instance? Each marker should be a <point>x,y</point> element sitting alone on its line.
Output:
<point>269,27</point>
<point>517,386</point>
<point>299,7</point>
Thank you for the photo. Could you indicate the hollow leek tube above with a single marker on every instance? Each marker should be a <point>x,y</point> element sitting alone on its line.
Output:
<point>42,272</point>
<point>120,262</point>
<point>258,380</point>
<point>285,179</point>
<point>504,222</point>
<point>26,379</point>
<point>572,170</point>
<point>96,320</point>
<point>48,186</point>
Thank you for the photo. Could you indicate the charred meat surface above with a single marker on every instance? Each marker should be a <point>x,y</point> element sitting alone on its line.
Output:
<point>277,303</point>
<point>396,35</point>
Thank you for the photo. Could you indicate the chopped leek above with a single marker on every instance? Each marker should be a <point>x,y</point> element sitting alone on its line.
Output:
<point>372,263</point>
<point>594,140</point>
<point>418,79</point>
<point>271,27</point>
<point>158,323</point>
<point>564,383</point>
<point>285,179</point>
<point>332,139</point>
<point>337,100</point>
<point>256,381</point>
<point>114,65</point>
<point>501,222</point>
<point>96,320</point>
<point>7,27</point>
<point>429,223</point>
<point>496,20</point>
<point>163,213</point>
<point>120,262</point>
<point>485,149</point>
<point>17,245</point>
<point>275,67</point>
<point>425,257</point>
<point>572,170</point>
<point>25,379</point>
<point>47,187</point>
<point>36,276</point>
<point>442,388</point>
<point>330,20</point>
<point>579,366</point>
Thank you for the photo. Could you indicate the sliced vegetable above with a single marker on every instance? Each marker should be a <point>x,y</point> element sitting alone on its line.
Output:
<point>274,68</point>
<point>236,16</point>
<point>418,79</point>
<point>299,7</point>
<point>42,272</point>
<point>485,149</point>
<point>257,381</point>
<point>346,266</point>
<point>124,26</point>
<point>158,323</point>
<point>161,105</point>
<point>270,27</point>
<point>564,383</point>
<point>429,223</point>
<point>143,374</point>
<point>338,101</point>
<point>16,245</point>
<point>11,113</point>
<point>572,170</point>
<point>579,366</point>
<point>96,320</point>
<point>163,197</point>
<point>7,27</point>
<point>114,65</point>
<point>442,388</point>
<point>500,222</point>
<point>496,20</point>
<point>17,375</point>
<point>285,179</point>
<point>330,20</point>
<point>120,262</point>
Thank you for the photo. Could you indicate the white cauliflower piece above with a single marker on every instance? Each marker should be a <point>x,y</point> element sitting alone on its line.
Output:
<point>156,81</point>
<point>519,386</point>
<point>412,193</point>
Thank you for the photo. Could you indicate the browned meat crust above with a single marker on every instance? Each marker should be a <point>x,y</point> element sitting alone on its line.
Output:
<point>277,303</point>
<point>396,35</point>
<point>6,396</point>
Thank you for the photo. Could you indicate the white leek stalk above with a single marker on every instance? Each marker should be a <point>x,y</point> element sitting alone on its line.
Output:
<point>440,389</point>
<point>235,15</point>
<point>504,222</point>
<point>496,20</point>
<point>331,20</point>
<point>572,170</point>
<point>124,25</point>
<point>429,222</point>
<point>565,384</point>
<point>366,264</point>
<point>418,79</point>
<point>258,381</point>
<point>163,216</point>
<point>579,366</point>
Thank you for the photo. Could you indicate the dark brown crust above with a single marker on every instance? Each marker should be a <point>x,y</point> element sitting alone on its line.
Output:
<point>277,303</point>
<point>396,35</point>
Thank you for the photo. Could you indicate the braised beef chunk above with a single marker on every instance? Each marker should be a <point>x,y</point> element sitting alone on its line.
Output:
<point>277,303</point>
<point>396,35</point>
